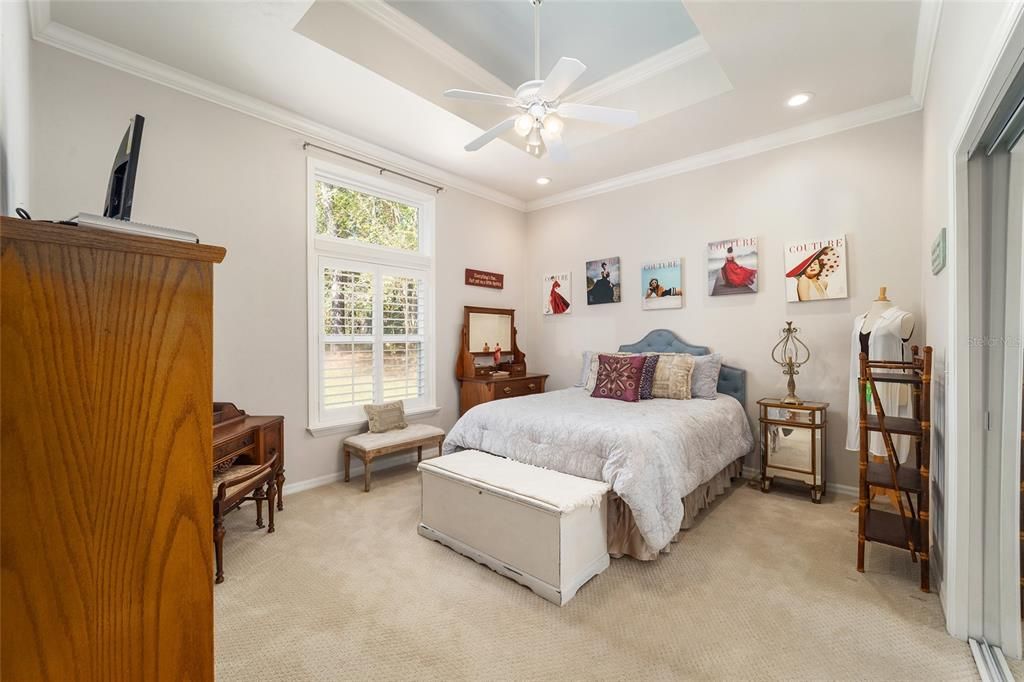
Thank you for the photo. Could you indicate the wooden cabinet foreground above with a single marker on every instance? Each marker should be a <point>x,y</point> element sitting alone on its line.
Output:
<point>106,455</point>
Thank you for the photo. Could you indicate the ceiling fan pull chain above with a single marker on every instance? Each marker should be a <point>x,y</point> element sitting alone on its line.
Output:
<point>536,39</point>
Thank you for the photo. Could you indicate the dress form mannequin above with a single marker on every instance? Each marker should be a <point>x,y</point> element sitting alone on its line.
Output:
<point>883,332</point>
<point>879,306</point>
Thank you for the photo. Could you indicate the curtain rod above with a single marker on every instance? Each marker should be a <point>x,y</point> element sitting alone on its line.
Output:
<point>380,169</point>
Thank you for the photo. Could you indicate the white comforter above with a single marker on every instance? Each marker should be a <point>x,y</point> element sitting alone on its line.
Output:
<point>652,453</point>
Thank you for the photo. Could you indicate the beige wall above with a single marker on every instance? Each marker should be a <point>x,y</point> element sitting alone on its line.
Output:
<point>961,43</point>
<point>864,182</point>
<point>15,121</point>
<point>241,183</point>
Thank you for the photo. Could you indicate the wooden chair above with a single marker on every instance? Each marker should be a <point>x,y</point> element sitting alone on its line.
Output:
<point>237,484</point>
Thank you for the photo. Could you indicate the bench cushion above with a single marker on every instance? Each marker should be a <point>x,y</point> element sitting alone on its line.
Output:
<point>389,439</point>
<point>553,488</point>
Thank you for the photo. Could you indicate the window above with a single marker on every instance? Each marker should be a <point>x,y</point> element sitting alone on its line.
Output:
<point>371,274</point>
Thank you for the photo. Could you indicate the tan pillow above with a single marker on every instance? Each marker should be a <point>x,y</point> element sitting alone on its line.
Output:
<point>385,416</point>
<point>672,376</point>
<point>595,364</point>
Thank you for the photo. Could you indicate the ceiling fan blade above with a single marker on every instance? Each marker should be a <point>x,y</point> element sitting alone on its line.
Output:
<point>588,112</point>
<point>482,97</point>
<point>555,146</point>
<point>491,134</point>
<point>561,77</point>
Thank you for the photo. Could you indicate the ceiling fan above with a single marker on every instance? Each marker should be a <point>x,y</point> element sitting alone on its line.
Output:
<point>540,111</point>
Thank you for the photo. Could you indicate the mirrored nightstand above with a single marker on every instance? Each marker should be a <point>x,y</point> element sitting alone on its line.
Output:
<point>794,443</point>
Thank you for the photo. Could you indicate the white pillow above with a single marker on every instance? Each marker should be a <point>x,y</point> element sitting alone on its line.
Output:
<point>584,369</point>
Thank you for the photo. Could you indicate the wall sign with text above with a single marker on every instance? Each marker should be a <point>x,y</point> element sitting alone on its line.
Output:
<point>490,280</point>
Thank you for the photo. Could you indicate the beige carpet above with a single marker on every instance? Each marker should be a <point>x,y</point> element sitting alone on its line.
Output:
<point>764,587</point>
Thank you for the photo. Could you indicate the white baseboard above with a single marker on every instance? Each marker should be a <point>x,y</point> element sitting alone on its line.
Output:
<point>752,473</point>
<point>357,467</point>
<point>356,472</point>
<point>310,483</point>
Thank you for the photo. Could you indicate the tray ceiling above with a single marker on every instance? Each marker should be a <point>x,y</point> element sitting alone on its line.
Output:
<point>606,36</point>
<point>351,70</point>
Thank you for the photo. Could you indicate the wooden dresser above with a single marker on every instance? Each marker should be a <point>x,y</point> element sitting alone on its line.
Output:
<point>476,390</point>
<point>490,365</point>
<point>107,362</point>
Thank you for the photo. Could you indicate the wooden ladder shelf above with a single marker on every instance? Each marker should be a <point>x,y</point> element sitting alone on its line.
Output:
<point>907,529</point>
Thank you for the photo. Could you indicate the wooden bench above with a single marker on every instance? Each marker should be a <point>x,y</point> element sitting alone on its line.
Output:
<point>368,446</point>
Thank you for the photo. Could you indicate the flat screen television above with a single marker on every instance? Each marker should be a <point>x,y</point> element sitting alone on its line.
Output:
<point>121,188</point>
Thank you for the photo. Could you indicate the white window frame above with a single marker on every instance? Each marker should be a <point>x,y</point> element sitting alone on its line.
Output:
<point>322,250</point>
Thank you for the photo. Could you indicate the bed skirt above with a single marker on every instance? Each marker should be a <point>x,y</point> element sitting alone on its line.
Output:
<point>624,538</point>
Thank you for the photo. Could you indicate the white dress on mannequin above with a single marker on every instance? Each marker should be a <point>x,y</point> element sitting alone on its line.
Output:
<point>885,342</point>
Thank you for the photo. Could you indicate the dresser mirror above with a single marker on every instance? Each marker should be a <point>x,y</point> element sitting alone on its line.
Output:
<point>483,331</point>
<point>488,331</point>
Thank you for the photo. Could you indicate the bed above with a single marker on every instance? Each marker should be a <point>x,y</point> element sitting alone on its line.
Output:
<point>664,459</point>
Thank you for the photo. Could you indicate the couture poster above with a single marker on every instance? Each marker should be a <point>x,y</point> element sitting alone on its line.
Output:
<point>557,293</point>
<point>603,281</point>
<point>732,266</point>
<point>816,270</point>
<point>662,284</point>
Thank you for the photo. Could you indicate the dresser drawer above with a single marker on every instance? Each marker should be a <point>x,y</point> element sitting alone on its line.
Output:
<point>511,389</point>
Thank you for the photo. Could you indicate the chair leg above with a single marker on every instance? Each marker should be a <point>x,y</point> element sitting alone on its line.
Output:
<point>366,474</point>
<point>258,499</point>
<point>218,544</point>
<point>279,487</point>
<point>271,494</point>
<point>347,458</point>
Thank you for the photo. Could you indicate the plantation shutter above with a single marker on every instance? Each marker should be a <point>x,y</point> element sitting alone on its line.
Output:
<point>373,335</point>
<point>404,319</point>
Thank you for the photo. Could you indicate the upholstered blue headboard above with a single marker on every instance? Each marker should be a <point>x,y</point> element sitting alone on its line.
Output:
<point>731,381</point>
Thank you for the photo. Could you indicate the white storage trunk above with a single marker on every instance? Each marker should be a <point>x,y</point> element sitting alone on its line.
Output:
<point>544,529</point>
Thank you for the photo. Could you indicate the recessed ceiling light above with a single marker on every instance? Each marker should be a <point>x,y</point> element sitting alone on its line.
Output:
<point>543,181</point>
<point>800,99</point>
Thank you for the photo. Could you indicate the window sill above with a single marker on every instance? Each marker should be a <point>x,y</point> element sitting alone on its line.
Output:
<point>354,426</point>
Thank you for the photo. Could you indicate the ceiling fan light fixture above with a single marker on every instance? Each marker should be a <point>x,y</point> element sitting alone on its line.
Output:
<point>533,139</point>
<point>523,124</point>
<point>799,99</point>
<point>553,124</point>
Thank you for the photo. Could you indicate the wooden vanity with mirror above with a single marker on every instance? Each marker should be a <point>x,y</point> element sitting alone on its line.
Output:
<point>486,331</point>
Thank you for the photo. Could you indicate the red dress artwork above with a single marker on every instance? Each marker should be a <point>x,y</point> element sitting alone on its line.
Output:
<point>735,275</point>
<point>558,303</point>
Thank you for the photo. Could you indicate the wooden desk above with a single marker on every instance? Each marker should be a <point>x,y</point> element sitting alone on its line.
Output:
<point>248,438</point>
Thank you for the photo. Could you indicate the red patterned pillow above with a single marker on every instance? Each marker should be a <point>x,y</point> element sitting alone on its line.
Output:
<point>618,377</point>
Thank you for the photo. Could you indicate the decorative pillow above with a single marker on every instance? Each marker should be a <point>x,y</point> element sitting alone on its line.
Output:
<point>595,359</point>
<point>618,377</point>
<point>647,377</point>
<point>588,355</point>
<point>385,416</point>
<point>672,376</point>
<point>704,383</point>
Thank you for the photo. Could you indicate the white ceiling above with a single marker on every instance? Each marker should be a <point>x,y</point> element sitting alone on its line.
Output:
<point>339,67</point>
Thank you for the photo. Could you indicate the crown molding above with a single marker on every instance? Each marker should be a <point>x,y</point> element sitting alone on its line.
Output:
<point>809,131</point>
<point>927,29</point>
<point>407,29</point>
<point>65,38</point>
<point>643,70</point>
<point>38,15</point>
